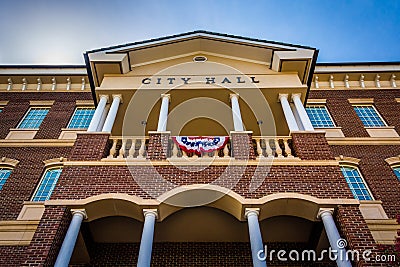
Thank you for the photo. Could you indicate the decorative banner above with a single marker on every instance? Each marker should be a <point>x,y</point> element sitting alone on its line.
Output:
<point>200,144</point>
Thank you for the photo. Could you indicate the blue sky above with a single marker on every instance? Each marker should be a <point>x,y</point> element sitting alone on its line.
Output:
<point>58,32</point>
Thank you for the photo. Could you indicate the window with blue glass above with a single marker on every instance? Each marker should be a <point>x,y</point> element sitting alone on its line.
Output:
<point>4,174</point>
<point>369,116</point>
<point>319,116</point>
<point>81,118</point>
<point>47,184</point>
<point>356,183</point>
<point>397,172</point>
<point>33,118</point>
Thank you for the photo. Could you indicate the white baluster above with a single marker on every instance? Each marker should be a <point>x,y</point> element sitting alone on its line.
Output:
<point>316,82</point>
<point>131,151</point>
<point>362,81</point>
<point>331,83</point>
<point>174,150</point>
<point>39,84</point>
<point>259,149</point>
<point>287,148</point>
<point>122,150</point>
<point>268,149</point>
<point>142,148</point>
<point>226,151</point>
<point>113,149</point>
<point>346,81</point>
<point>68,83</point>
<point>53,83</point>
<point>278,148</point>
<point>378,81</point>
<point>83,83</point>
<point>24,84</point>
<point>9,84</point>
<point>393,81</point>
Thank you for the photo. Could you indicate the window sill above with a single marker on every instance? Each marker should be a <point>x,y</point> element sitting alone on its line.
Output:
<point>67,133</point>
<point>332,131</point>
<point>21,134</point>
<point>385,131</point>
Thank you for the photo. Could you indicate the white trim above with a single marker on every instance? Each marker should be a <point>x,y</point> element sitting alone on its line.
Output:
<point>355,166</point>
<point>26,114</point>
<point>321,104</point>
<point>379,115</point>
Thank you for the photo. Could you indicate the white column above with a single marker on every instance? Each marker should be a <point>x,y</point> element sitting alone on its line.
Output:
<point>146,243</point>
<point>305,120</point>
<point>334,238</point>
<point>64,256</point>
<point>94,123</point>
<point>256,242</point>
<point>163,117</point>
<point>237,116</point>
<point>287,111</point>
<point>112,114</point>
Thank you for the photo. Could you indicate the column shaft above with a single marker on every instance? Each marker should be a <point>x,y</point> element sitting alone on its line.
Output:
<point>237,116</point>
<point>146,243</point>
<point>94,123</point>
<point>64,256</point>
<point>334,237</point>
<point>256,242</point>
<point>287,111</point>
<point>305,120</point>
<point>112,114</point>
<point>163,117</point>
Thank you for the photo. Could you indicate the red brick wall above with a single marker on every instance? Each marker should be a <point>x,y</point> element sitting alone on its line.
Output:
<point>12,255</point>
<point>48,237</point>
<point>84,181</point>
<point>23,180</point>
<point>378,174</point>
<point>57,118</point>
<point>242,146</point>
<point>90,146</point>
<point>158,147</point>
<point>311,146</point>
<point>345,116</point>
<point>354,229</point>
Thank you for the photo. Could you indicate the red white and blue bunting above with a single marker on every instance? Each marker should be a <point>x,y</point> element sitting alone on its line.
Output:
<point>200,144</point>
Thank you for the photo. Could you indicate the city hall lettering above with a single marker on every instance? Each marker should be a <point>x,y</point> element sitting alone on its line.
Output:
<point>197,79</point>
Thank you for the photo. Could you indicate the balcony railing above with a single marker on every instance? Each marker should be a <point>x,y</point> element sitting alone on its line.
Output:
<point>135,148</point>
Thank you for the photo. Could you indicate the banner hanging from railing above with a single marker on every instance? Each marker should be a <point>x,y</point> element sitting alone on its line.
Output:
<point>200,144</point>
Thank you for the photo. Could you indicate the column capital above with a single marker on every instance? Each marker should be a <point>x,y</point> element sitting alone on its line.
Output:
<point>166,96</point>
<point>119,96</point>
<point>233,95</point>
<point>280,96</point>
<point>150,212</point>
<point>79,211</point>
<point>251,211</point>
<point>321,211</point>
<point>104,96</point>
<point>297,95</point>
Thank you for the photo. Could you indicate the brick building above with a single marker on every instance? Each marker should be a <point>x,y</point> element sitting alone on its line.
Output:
<point>197,150</point>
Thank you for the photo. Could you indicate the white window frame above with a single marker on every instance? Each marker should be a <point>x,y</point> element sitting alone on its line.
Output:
<point>6,167</point>
<point>70,120</point>
<point>376,111</point>
<point>362,178</point>
<point>26,114</point>
<point>327,110</point>
<point>41,180</point>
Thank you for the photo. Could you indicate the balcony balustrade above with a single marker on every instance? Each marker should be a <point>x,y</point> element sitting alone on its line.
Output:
<point>135,148</point>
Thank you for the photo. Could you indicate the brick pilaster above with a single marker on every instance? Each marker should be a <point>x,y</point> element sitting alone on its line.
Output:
<point>90,146</point>
<point>48,237</point>
<point>242,145</point>
<point>158,145</point>
<point>311,146</point>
